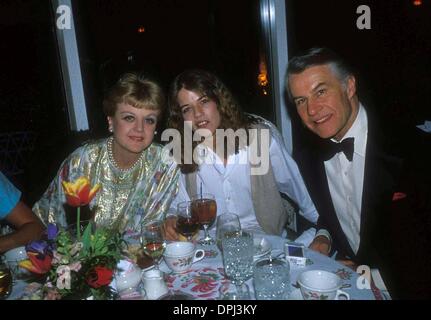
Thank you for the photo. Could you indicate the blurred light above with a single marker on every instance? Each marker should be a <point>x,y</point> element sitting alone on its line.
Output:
<point>141,30</point>
<point>417,2</point>
<point>262,77</point>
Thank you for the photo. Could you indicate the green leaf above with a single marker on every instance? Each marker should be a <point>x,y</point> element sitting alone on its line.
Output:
<point>86,237</point>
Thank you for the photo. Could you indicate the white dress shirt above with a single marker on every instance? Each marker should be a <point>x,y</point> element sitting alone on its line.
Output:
<point>232,188</point>
<point>346,180</point>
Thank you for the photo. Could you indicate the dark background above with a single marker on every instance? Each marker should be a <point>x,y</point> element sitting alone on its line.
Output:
<point>392,60</point>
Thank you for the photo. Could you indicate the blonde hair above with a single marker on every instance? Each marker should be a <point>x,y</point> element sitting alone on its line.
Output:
<point>136,90</point>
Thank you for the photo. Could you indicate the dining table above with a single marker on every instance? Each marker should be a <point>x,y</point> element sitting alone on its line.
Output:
<point>205,277</point>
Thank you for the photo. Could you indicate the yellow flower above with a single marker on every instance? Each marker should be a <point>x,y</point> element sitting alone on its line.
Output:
<point>78,193</point>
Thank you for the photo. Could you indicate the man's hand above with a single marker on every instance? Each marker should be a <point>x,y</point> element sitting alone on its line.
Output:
<point>349,263</point>
<point>321,244</point>
<point>170,230</point>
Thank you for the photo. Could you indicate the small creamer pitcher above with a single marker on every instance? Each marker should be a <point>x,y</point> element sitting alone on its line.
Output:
<point>154,284</point>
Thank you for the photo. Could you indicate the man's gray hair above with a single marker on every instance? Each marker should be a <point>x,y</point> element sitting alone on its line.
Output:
<point>317,57</point>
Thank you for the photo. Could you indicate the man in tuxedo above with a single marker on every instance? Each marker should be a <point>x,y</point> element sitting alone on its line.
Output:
<point>365,191</point>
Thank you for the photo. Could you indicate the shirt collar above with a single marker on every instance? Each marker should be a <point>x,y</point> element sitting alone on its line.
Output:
<point>357,130</point>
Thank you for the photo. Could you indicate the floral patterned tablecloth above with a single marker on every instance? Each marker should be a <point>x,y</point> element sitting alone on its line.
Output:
<point>205,277</point>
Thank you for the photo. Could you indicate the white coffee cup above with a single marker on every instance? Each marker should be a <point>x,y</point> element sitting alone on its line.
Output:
<point>321,285</point>
<point>180,255</point>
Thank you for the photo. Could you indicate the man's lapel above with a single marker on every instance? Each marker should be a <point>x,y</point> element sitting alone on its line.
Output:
<point>381,174</point>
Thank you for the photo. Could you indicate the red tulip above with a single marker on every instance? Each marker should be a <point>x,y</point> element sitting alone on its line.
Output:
<point>78,193</point>
<point>37,263</point>
<point>99,276</point>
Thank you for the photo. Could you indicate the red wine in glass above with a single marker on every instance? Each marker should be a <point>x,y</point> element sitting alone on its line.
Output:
<point>187,226</point>
<point>154,249</point>
<point>204,207</point>
<point>153,242</point>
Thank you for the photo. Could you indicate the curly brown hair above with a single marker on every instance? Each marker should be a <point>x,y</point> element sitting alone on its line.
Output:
<point>205,83</point>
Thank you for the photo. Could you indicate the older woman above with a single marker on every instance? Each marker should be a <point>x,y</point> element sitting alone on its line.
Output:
<point>202,100</point>
<point>136,185</point>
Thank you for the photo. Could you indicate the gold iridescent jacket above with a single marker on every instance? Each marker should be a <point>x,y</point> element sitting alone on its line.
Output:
<point>126,199</point>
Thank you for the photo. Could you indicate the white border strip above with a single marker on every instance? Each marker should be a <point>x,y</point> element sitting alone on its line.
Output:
<point>274,18</point>
<point>71,68</point>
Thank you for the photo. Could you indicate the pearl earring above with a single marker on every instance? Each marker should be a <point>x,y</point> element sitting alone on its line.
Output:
<point>111,129</point>
<point>155,132</point>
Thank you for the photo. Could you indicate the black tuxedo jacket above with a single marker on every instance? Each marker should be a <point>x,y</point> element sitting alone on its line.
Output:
<point>390,214</point>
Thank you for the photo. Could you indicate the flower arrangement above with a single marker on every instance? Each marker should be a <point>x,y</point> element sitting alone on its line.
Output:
<point>75,269</point>
<point>74,266</point>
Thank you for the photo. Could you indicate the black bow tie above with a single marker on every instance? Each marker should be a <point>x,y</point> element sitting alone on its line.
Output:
<point>346,146</point>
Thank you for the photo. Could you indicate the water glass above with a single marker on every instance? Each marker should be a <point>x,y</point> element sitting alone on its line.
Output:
<point>72,228</point>
<point>227,225</point>
<point>271,279</point>
<point>238,257</point>
<point>229,291</point>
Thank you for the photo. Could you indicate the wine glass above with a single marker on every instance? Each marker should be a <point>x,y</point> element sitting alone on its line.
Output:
<point>153,242</point>
<point>238,258</point>
<point>5,281</point>
<point>204,207</point>
<point>187,223</point>
<point>228,225</point>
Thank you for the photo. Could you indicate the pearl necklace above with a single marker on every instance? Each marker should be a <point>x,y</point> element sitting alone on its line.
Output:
<point>115,164</point>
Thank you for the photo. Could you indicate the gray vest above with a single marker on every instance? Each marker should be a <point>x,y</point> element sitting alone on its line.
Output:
<point>272,213</point>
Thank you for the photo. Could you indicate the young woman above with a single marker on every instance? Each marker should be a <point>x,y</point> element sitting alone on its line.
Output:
<point>198,98</point>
